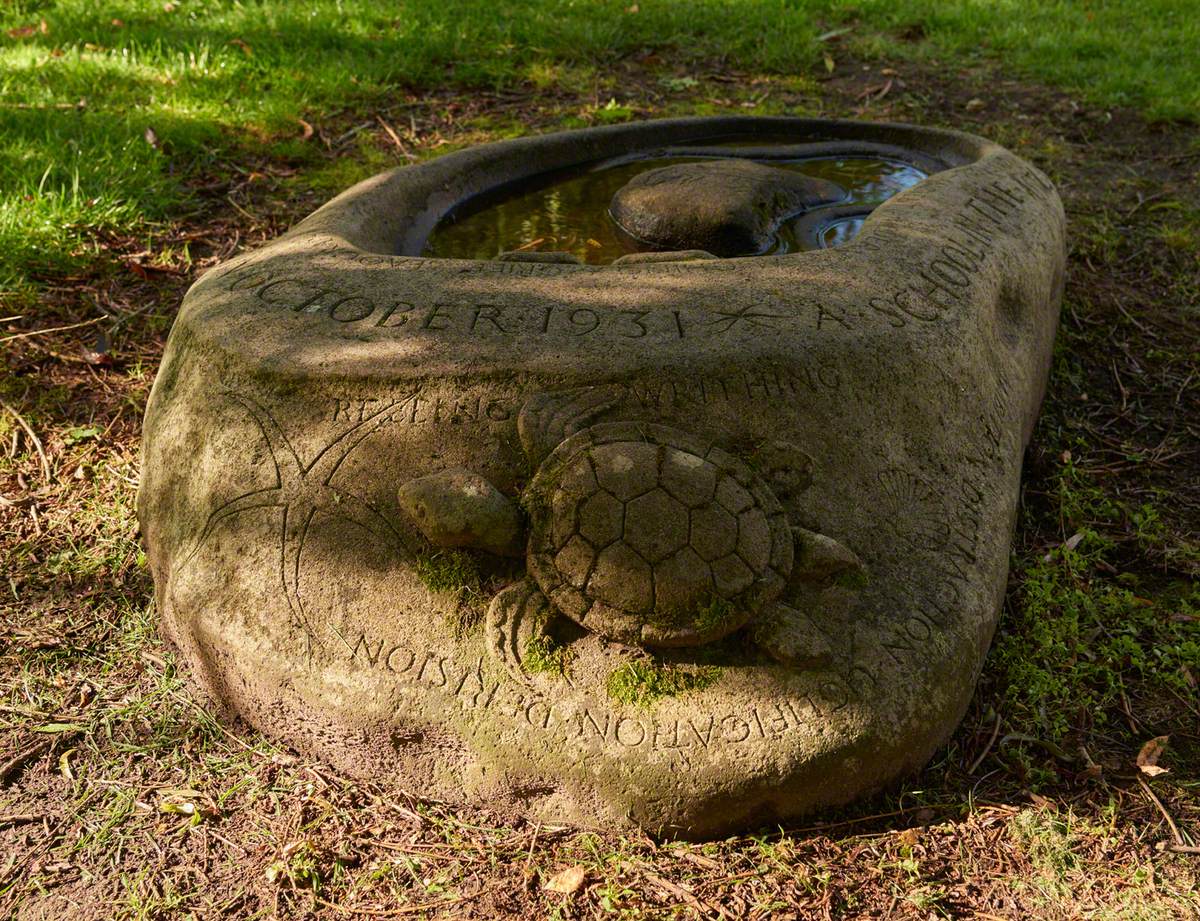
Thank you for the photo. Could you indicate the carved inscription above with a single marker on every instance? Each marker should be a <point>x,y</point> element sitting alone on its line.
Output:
<point>421,409</point>
<point>506,321</point>
<point>764,383</point>
<point>946,278</point>
<point>472,688</point>
<point>480,320</point>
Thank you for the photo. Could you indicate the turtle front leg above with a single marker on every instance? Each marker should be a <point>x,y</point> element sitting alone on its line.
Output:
<point>790,637</point>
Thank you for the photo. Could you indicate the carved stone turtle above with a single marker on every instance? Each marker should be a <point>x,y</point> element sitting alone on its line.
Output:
<point>638,532</point>
<point>646,535</point>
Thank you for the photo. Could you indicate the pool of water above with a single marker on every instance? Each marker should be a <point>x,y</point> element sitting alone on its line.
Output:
<point>569,212</point>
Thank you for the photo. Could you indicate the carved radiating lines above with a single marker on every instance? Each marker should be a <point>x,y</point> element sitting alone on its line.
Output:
<point>301,491</point>
<point>746,315</point>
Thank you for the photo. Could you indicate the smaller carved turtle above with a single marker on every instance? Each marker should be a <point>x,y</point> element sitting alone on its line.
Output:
<point>638,532</point>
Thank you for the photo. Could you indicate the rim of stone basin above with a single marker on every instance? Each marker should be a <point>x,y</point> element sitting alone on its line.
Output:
<point>394,213</point>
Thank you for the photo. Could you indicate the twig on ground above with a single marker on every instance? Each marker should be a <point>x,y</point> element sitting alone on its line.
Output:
<point>987,748</point>
<point>391,133</point>
<point>392,912</point>
<point>37,442</point>
<point>1179,842</point>
<point>10,768</point>
<point>52,329</point>
<point>682,894</point>
<point>532,844</point>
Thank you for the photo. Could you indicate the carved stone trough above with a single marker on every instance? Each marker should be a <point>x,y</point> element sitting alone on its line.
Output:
<point>683,542</point>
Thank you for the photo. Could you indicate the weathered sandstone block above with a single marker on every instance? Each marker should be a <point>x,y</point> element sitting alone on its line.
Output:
<point>786,486</point>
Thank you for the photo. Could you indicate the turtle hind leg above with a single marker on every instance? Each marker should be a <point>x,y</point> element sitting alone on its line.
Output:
<point>518,622</point>
<point>790,637</point>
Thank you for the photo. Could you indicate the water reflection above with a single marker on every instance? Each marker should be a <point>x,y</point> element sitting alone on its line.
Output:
<point>569,213</point>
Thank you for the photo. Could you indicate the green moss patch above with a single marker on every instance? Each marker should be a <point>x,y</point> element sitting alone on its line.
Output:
<point>544,656</point>
<point>448,571</point>
<point>711,615</point>
<point>640,684</point>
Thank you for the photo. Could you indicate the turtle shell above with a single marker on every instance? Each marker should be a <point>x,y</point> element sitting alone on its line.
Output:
<point>645,534</point>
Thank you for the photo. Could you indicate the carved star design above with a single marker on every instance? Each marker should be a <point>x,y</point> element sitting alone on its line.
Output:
<point>302,490</point>
<point>747,315</point>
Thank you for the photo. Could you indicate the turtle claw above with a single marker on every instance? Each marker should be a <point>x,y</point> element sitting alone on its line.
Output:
<point>517,616</point>
<point>791,638</point>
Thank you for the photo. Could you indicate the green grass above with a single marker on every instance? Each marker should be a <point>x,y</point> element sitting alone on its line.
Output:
<point>1078,638</point>
<point>1113,52</point>
<point>112,113</point>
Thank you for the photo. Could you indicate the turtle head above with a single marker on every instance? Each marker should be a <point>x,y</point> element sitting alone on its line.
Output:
<point>547,419</point>
<point>459,508</point>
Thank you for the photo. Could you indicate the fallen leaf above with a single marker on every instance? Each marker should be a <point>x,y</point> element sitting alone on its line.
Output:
<point>64,763</point>
<point>829,64</point>
<point>99,359</point>
<point>243,45</point>
<point>308,129</point>
<point>567,881</point>
<point>151,138</point>
<point>1073,541</point>
<point>974,105</point>
<point>1147,759</point>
